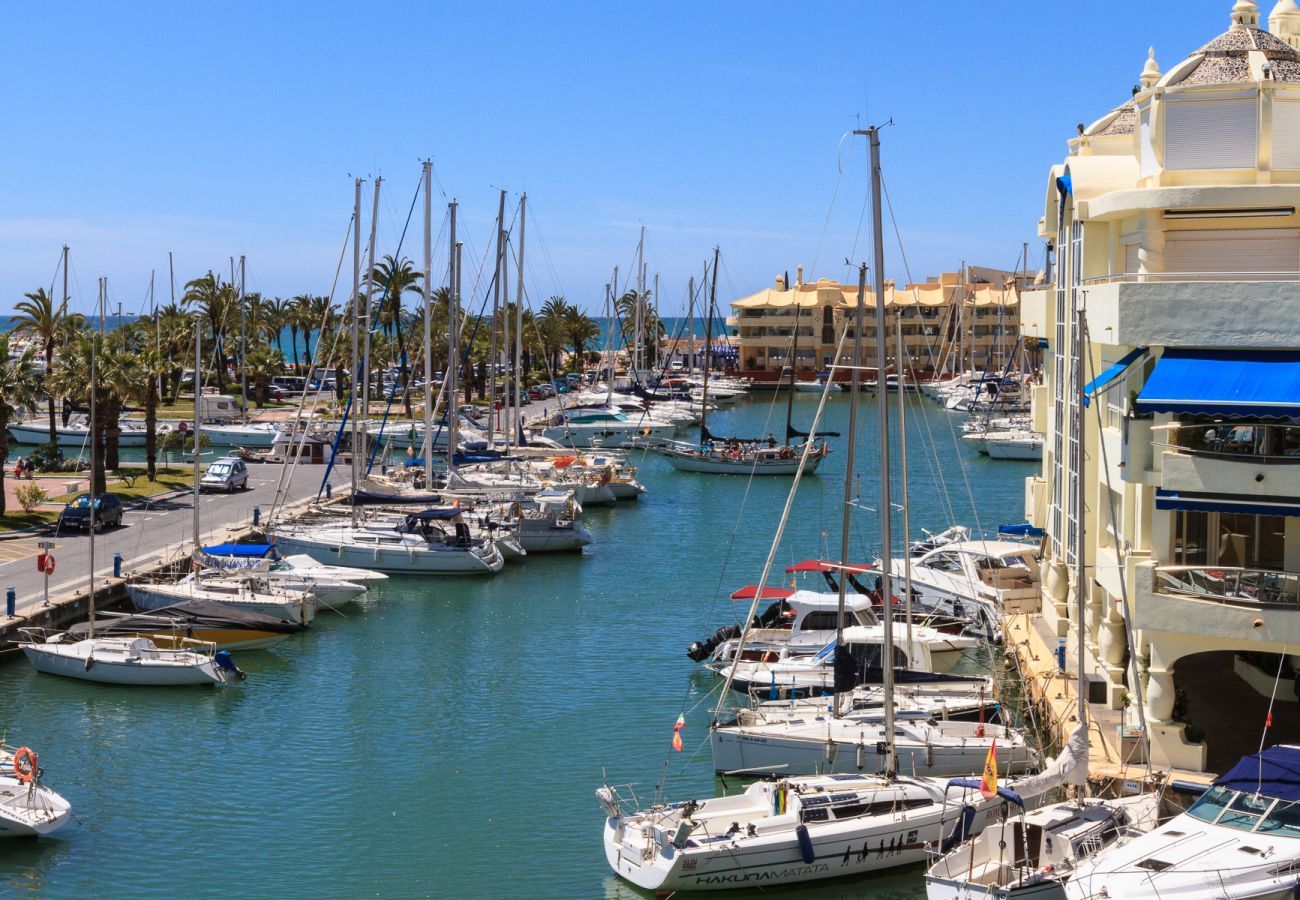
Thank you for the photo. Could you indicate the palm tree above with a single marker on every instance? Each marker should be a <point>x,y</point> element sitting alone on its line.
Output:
<point>19,386</point>
<point>151,365</point>
<point>295,316</point>
<point>38,317</point>
<point>552,323</point>
<point>280,315</point>
<point>217,302</point>
<point>262,365</point>
<point>582,329</point>
<point>176,337</point>
<point>397,277</point>
<point>652,329</point>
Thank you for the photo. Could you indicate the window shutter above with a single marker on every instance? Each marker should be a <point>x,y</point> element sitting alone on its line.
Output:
<point>1286,135</point>
<point>1210,134</point>
<point>1257,250</point>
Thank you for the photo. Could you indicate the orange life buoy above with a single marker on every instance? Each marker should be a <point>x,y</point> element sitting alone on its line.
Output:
<point>26,765</point>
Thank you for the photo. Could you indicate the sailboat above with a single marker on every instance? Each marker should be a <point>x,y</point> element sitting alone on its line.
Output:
<point>1044,853</point>
<point>734,456</point>
<point>27,807</point>
<point>129,659</point>
<point>806,828</point>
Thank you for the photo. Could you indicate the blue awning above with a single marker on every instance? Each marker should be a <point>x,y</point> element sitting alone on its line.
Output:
<point>1256,384</point>
<point>1229,503</point>
<point>1111,372</point>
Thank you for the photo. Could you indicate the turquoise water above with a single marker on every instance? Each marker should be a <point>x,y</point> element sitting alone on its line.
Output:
<point>446,738</point>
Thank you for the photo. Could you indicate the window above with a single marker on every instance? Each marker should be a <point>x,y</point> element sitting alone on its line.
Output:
<point>1191,538</point>
<point>1211,804</point>
<point>1284,820</point>
<point>945,562</point>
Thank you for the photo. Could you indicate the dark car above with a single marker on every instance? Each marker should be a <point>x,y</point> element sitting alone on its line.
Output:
<point>108,511</point>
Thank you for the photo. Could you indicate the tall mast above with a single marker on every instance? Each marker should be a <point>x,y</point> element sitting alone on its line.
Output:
<point>690,315</point>
<point>609,347</point>
<point>453,313</point>
<point>901,361</point>
<point>94,462</point>
<point>638,317</point>
<point>708,349</point>
<point>427,446</point>
<point>846,523</point>
<point>243,346</point>
<point>1080,570</point>
<point>654,365</point>
<point>495,355</point>
<point>794,362</point>
<point>370,285</point>
<point>356,354</point>
<point>198,393</point>
<point>519,320</point>
<point>882,399</point>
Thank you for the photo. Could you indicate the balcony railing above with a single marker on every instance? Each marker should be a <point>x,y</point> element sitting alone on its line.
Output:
<point>1156,277</point>
<point>1224,440</point>
<point>1262,587</point>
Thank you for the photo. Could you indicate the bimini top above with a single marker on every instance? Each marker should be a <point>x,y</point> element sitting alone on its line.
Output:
<point>1273,773</point>
<point>823,565</point>
<point>241,551</point>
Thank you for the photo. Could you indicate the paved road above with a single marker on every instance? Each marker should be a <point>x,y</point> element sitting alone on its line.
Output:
<point>148,535</point>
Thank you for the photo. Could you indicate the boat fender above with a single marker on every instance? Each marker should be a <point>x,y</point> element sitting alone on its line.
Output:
<point>862,755</point>
<point>90,661</point>
<point>805,844</point>
<point>26,767</point>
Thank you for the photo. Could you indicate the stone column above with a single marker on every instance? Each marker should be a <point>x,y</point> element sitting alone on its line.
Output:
<point>1151,252</point>
<point>1160,689</point>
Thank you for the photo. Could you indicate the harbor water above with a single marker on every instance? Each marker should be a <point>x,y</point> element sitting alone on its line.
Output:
<point>446,737</point>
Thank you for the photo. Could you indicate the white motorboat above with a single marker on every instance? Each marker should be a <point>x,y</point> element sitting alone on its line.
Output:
<point>1241,840</point>
<point>75,434</point>
<point>604,427</point>
<point>975,579</point>
<point>1024,446</point>
<point>27,807</point>
<point>816,387</point>
<point>266,558</point>
<point>789,831</point>
<point>251,435</point>
<point>128,660</point>
<point>427,547</point>
<point>239,593</point>
<point>546,522</point>
<point>971,700</point>
<point>802,622</point>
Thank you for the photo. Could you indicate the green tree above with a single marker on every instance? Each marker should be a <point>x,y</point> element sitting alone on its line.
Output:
<point>218,304</point>
<point>19,386</point>
<point>38,317</point>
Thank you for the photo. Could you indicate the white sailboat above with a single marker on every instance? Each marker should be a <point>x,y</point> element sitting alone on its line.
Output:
<point>27,807</point>
<point>129,660</point>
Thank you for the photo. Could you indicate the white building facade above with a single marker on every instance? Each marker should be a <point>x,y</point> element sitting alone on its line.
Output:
<point>1176,290</point>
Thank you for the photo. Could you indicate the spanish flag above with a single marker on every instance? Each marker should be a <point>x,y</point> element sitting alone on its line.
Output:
<point>989,783</point>
<point>677,736</point>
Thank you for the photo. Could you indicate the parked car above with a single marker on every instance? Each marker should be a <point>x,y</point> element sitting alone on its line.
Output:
<point>225,474</point>
<point>108,511</point>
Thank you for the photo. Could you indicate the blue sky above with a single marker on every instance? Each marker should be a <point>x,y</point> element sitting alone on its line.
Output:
<point>214,130</point>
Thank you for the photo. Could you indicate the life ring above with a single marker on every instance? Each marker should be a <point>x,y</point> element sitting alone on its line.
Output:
<point>26,765</point>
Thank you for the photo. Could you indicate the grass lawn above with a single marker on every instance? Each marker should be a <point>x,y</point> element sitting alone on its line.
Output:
<point>17,519</point>
<point>168,480</point>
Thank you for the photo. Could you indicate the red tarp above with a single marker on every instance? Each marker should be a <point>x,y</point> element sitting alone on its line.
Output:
<point>822,565</point>
<point>769,593</point>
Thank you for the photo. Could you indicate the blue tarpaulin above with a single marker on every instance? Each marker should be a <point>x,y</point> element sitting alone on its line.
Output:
<point>241,551</point>
<point>1255,384</point>
<point>1273,773</point>
<point>1023,529</point>
<point>1111,372</point>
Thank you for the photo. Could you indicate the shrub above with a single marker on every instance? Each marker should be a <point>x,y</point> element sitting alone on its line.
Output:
<point>46,458</point>
<point>30,496</point>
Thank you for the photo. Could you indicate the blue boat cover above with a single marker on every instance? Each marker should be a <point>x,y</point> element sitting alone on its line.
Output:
<point>1274,773</point>
<point>241,551</point>
<point>437,514</point>
<point>1229,503</point>
<point>1022,530</point>
<point>1247,383</point>
<point>1110,373</point>
<point>1004,793</point>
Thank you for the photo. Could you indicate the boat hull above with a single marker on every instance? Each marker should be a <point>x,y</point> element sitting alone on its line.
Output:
<point>735,751</point>
<point>394,560</point>
<point>30,810</point>
<point>711,465</point>
<point>71,661</point>
<point>146,597</point>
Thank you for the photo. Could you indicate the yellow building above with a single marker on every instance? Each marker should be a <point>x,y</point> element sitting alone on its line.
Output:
<point>1177,240</point>
<point>949,324</point>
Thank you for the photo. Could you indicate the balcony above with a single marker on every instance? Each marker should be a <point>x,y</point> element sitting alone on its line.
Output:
<point>1236,608</point>
<point>1202,309</point>
<point>1224,458</point>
